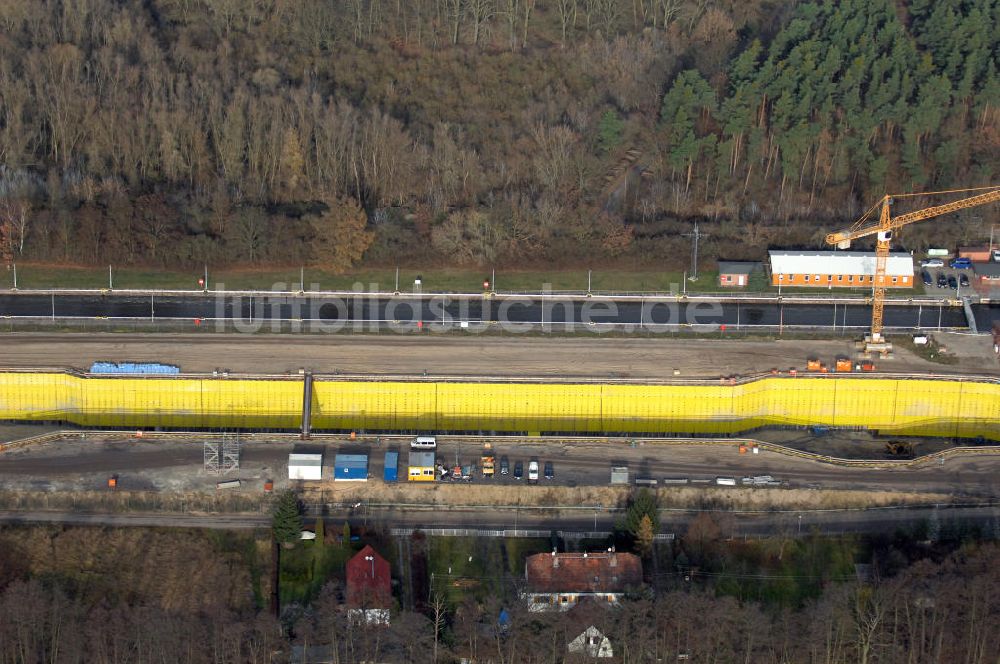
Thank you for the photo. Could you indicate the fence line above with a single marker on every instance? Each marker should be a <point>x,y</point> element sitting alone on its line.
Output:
<point>520,532</point>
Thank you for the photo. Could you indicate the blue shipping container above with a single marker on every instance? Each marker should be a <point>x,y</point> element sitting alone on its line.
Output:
<point>350,468</point>
<point>391,470</point>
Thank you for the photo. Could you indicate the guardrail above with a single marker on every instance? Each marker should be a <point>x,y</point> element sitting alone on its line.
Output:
<point>742,379</point>
<point>519,532</point>
<point>788,298</point>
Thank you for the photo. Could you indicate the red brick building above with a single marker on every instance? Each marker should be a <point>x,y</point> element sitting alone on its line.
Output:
<point>557,581</point>
<point>369,585</point>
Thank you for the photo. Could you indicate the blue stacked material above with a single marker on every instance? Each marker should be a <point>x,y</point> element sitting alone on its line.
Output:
<point>141,368</point>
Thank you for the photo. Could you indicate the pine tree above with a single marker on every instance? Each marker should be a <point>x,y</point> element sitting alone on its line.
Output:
<point>609,131</point>
<point>286,522</point>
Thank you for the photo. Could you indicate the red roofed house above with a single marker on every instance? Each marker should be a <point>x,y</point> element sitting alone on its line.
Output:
<point>369,587</point>
<point>557,581</point>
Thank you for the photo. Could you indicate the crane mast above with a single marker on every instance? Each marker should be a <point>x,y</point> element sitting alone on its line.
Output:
<point>883,229</point>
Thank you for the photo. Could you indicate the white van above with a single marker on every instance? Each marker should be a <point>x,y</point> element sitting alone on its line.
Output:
<point>424,443</point>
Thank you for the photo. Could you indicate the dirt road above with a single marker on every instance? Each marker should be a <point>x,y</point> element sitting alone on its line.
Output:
<point>80,464</point>
<point>564,357</point>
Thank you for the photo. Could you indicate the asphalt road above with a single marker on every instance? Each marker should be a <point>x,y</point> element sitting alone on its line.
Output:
<point>734,524</point>
<point>167,465</point>
<point>330,313</point>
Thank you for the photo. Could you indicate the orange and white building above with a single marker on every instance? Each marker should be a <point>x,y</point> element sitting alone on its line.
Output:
<point>838,269</point>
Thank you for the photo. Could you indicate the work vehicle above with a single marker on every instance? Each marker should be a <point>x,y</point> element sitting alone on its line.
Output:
<point>487,460</point>
<point>844,364</point>
<point>504,465</point>
<point>932,262</point>
<point>960,263</point>
<point>963,279</point>
<point>550,473</point>
<point>424,443</point>
<point>926,276</point>
<point>942,280</point>
<point>532,471</point>
<point>456,473</point>
<point>518,470</point>
<point>952,283</point>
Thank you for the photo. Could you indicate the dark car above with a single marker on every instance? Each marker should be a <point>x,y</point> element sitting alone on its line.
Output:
<point>953,283</point>
<point>960,263</point>
<point>550,472</point>
<point>927,278</point>
<point>518,470</point>
<point>942,280</point>
<point>504,465</point>
<point>963,279</point>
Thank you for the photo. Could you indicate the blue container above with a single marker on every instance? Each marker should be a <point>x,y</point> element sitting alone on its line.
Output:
<point>390,472</point>
<point>350,468</point>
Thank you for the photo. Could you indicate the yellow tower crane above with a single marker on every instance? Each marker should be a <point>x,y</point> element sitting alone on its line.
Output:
<point>883,228</point>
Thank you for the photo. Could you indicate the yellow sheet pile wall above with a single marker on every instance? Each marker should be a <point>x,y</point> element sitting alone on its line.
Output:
<point>917,407</point>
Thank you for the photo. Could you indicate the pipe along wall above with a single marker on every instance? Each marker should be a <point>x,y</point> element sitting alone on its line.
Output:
<point>927,407</point>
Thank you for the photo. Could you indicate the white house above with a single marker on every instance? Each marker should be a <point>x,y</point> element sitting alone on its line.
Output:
<point>592,643</point>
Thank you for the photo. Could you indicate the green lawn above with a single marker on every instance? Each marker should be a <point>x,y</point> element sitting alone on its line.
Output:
<point>307,566</point>
<point>481,567</point>
<point>35,276</point>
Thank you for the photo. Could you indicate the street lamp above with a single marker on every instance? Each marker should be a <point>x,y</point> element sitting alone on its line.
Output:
<point>371,559</point>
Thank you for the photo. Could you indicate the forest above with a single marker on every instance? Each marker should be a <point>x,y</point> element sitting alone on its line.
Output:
<point>102,595</point>
<point>556,132</point>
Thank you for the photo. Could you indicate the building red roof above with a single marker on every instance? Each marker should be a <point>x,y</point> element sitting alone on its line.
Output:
<point>582,572</point>
<point>369,581</point>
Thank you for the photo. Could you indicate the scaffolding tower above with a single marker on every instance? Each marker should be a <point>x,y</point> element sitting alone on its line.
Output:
<point>230,453</point>
<point>222,456</point>
<point>211,450</point>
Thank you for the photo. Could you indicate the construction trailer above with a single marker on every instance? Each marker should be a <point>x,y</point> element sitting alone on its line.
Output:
<point>390,469</point>
<point>420,467</point>
<point>305,466</point>
<point>350,468</point>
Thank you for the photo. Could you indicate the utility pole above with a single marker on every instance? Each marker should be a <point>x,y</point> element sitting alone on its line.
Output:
<point>695,236</point>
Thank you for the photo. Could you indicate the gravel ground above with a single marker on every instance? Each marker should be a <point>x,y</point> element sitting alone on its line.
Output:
<point>84,463</point>
<point>566,357</point>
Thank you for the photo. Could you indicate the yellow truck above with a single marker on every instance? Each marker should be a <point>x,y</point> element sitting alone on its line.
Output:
<point>487,461</point>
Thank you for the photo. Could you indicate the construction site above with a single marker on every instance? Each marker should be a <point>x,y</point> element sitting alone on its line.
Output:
<point>586,404</point>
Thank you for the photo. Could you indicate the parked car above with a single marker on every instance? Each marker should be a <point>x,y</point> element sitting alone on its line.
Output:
<point>963,279</point>
<point>927,278</point>
<point>953,283</point>
<point>518,470</point>
<point>932,262</point>
<point>533,471</point>
<point>504,465</point>
<point>996,255</point>
<point>942,280</point>
<point>960,263</point>
<point>550,472</point>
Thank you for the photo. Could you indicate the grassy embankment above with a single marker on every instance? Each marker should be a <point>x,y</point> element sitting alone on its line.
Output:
<point>36,276</point>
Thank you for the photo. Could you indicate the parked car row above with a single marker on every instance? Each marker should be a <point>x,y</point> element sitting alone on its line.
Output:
<point>944,281</point>
<point>533,468</point>
<point>960,263</point>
